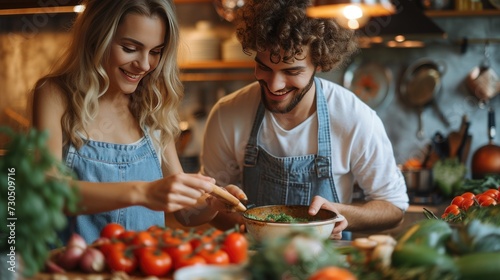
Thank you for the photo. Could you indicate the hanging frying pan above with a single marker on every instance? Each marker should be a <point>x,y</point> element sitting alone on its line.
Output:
<point>420,87</point>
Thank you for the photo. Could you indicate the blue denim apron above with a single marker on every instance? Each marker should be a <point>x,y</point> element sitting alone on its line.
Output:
<point>269,180</point>
<point>107,162</point>
<point>294,180</point>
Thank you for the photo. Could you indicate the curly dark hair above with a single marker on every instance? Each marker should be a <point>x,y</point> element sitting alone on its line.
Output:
<point>282,25</point>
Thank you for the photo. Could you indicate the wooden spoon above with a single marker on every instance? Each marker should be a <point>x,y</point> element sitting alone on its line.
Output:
<point>231,199</point>
<point>455,138</point>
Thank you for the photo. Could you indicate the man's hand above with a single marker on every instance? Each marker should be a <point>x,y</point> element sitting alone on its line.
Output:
<point>321,203</point>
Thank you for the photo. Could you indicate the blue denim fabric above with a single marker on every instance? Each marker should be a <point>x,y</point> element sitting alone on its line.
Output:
<point>269,180</point>
<point>107,162</point>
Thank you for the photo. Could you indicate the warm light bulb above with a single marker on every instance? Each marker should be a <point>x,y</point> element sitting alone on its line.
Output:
<point>352,17</point>
<point>352,12</point>
<point>399,38</point>
<point>79,8</point>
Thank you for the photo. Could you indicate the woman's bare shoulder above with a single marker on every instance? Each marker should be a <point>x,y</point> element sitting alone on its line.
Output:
<point>48,89</point>
<point>49,102</point>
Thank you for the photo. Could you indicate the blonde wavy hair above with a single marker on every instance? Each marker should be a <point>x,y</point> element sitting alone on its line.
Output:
<point>81,75</point>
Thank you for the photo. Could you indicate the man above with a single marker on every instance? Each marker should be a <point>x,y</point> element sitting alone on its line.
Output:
<point>293,138</point>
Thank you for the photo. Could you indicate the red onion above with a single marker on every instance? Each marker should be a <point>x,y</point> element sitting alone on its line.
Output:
<point>76,240</point>
<point>71,255</point>
<point>92,261</point>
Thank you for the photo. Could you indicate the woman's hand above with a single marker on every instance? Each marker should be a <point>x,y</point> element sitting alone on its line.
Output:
<point>176,192</point>
<point>321,203</point>
<point>219,204</point>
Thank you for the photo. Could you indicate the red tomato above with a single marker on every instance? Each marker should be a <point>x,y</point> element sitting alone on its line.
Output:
<point>112,230</point>
<point>332,273</point>
<point>189,261</point>
<point>143,240</point>
<point>494,193</point>
<point>215,257</point>
<point>155,262</point>
<point>156,230</point>
<point>468,195</point>
<point>466,204</point>
<point>105,248</point>
<point>452,209</point>
<point>127,236</point>
<point>178,250</point>
<point>236,246</point>
<point>486,200</point>
<point>119,259</point>
<point>457,200</point>
<point>202,243</point>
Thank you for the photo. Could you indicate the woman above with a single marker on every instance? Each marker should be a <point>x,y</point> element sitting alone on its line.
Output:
<point>110,108</point>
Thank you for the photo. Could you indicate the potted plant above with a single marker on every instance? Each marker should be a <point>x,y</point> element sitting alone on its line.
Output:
<point>35,194</point>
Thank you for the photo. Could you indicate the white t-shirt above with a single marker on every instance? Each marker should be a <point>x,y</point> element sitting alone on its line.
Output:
<point>361,150</point>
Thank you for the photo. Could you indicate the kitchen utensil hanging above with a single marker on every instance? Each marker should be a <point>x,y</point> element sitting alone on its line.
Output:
<point>483,81</point>
<point>420,87</point>
<point>370,81</point>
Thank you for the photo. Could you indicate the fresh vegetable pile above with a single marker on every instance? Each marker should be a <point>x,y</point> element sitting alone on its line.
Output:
<point>434,249</point>
<point>156,251</point>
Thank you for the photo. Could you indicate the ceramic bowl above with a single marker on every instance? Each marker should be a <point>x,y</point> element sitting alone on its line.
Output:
<point>259,229</point>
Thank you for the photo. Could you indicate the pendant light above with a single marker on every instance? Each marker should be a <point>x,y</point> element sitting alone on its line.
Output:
<point>352,14</point>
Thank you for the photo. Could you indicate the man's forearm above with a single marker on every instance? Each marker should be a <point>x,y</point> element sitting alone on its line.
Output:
<point>373,215</point>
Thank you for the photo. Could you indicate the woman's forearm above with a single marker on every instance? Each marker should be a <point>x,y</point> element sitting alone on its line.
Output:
<point>101,197</point>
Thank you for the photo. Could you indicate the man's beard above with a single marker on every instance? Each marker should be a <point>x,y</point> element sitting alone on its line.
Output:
<point>293,103</point>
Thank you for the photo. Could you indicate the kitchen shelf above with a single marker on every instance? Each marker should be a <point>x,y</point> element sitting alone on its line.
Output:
<point>453,13</point>
<point>217,71</point>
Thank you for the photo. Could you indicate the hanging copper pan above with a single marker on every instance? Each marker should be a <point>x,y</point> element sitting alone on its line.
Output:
<point>486,159</point>
<point>420,86</point>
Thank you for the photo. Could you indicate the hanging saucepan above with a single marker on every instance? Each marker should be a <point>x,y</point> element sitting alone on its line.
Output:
<point>420,87</point>
<point>486,159</point>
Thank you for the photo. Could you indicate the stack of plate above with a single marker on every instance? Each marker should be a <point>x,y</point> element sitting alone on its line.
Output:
<point>202,44</point>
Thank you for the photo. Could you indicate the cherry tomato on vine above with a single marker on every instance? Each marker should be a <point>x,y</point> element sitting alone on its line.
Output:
<point>468,195</point>
<point>119,259</point>
<point>236,246</point>
<point>127,236</point>
<point>178,249</point>
<point>154,262</point>
<point>451,209</point>
<point>112,230</point>
<point>486,200</point>
<point>143,240</point>
<point>466,204</point>
<point>202,243</point>
<point>215,257</point>
<point>105,248</point>
<point>457,200</point>
<point>494,193</point>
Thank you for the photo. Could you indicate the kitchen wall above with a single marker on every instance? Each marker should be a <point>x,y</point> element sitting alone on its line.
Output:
<point>29,44</point>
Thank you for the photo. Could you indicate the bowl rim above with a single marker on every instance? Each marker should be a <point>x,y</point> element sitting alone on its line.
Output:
<point>336,218</point>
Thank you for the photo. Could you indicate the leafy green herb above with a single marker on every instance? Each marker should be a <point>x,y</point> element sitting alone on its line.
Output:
<point>33,200</point>
<point>280,218</point>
